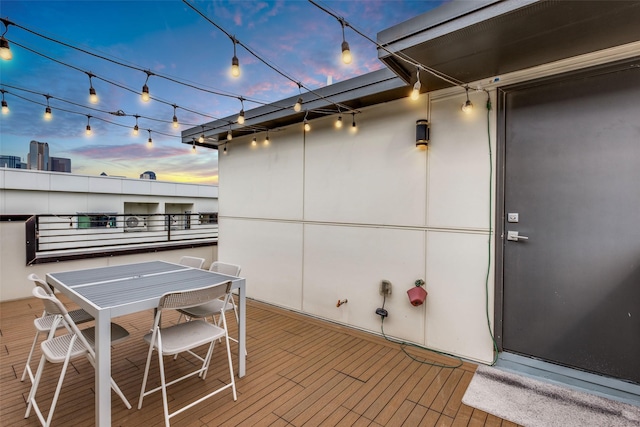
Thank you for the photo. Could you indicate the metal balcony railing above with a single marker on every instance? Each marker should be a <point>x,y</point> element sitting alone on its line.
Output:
<point>56,237</point>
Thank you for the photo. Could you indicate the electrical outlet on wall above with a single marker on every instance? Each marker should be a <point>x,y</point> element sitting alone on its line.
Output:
<point>385,287</point>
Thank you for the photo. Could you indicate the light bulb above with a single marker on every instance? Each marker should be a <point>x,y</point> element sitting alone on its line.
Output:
<point>229,135</point>
<point>194,147</point>
<point>5,50</point>
<point>175,122</point>
<point>150,141</point>
<point>235,67</point>
<point>266,140</point>
<point>307,126</point>
<point>93,97</point>
<point>5,107</point>
<point>339,122</point>
<point>467,107</point>
<point>298,105</point>
<point>346,53</point>
<point>241,117</point>
<point>201,139</point>
<point>135,130</point>
<point>254,142</point>
<point>415,93</point>
<point>47,113</point>
<point>145,93</point>
<point>224,151</point>
<point>88,131</point>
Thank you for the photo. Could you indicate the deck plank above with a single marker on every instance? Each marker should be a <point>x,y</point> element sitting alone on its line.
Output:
<point>300,371</point>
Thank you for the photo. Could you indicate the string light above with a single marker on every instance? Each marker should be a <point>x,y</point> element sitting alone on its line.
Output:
<point>259,58</point>
<point>47,110</point>
<point>266,139</point>
<point>229,135</point>
<point>241,115</point>
<point>224,150</point>
<point>5,105</point>
<point>353,122</point>
<point>175,118</point>
<point>235,64</point>
<point>194,145</point>
<point>93,97</point>
<point>307,126</point>
<point>298,105</point>
<point>254,142</point>
<point>346,53</point>
<point>201,139</point>
<point>145,92</point>
<point>145,88</point>
<point>150,141</point>
<point>135,128</point>
<point>415,93</point>
<point>467,107</point>
<point>5,50</point>
<point>88,130</point>
<point>338,123</point>
<point>399,55</point>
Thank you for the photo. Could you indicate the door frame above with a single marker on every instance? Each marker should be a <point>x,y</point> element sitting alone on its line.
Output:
<point>499,225</point>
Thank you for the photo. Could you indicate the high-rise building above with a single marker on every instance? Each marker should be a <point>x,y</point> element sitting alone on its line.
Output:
<point>38,157</point>
<point>11,162</point>
<point>60,164</point>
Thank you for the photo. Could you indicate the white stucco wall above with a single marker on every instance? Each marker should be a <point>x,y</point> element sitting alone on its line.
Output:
<point>326,216</point>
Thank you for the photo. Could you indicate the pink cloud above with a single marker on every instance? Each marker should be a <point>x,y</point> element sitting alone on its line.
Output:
<point>127,152</point>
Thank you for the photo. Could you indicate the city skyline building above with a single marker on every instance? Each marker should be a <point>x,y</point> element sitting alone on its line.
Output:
<point>38,158</point>
<point>148,175</point>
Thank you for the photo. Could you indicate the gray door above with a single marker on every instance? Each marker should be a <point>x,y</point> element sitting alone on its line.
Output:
<point>571,291</point>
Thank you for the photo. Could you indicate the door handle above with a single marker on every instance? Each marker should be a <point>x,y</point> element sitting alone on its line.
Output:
<point>515,237</point>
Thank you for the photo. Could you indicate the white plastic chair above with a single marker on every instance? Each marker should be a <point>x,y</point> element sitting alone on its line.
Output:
<point>44,323</point>
<point>63,348</point>
<point>191,261</point>
<point>213,308</point>
<point>184,337</point>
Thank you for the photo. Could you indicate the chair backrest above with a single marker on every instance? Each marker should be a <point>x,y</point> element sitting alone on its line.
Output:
<point>41,283</point>
<point>53,305</point>
<point>191,261</point>
<point>193,297</point>
<point>225,268</point>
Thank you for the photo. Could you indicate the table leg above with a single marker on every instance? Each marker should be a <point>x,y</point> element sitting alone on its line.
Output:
<point>242,331</point>
<point>103,368</point>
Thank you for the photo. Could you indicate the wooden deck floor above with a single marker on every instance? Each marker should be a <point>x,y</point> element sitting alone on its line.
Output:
<point>300,371</point>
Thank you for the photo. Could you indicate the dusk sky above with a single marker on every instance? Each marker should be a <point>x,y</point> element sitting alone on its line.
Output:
<point>168,38</point>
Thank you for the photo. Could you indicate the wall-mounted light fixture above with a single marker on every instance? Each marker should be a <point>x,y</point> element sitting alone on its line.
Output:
<point>422,134</point>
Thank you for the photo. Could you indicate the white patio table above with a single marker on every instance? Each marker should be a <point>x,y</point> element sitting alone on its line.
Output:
<point>108,292</point>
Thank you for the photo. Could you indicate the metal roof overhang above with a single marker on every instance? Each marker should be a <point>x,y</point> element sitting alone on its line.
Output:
<point>474,40</point>
<point>467,40</point>
<point>370,89</point>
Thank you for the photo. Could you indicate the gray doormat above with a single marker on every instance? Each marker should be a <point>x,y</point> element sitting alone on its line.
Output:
<point>534,403</point>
